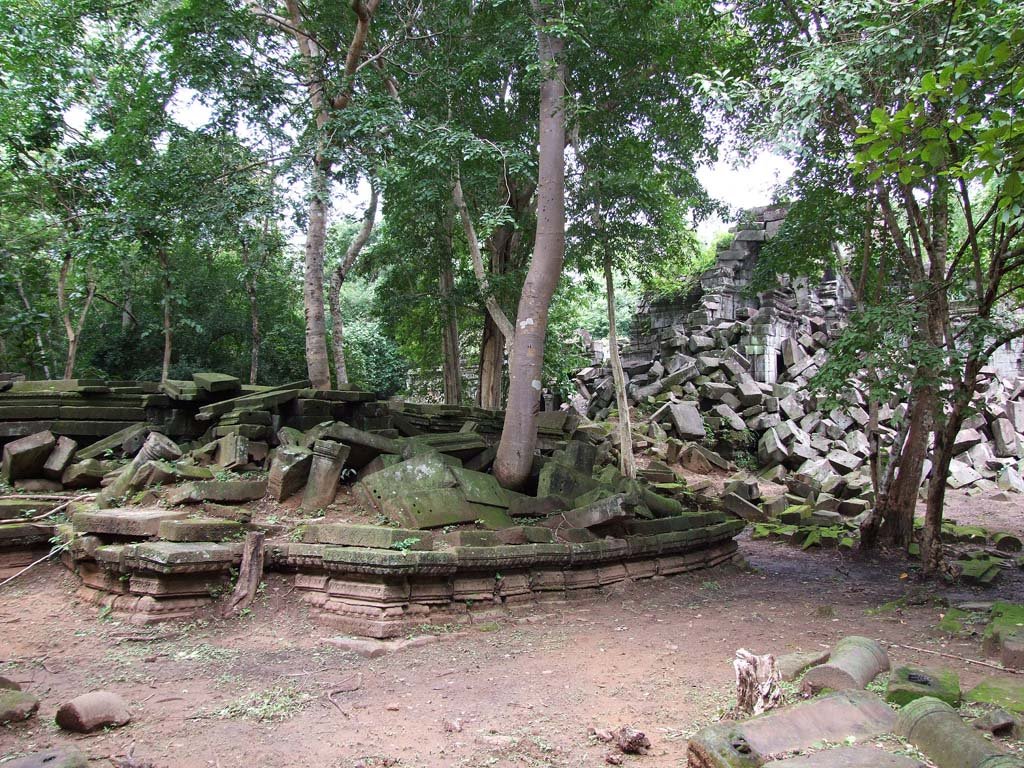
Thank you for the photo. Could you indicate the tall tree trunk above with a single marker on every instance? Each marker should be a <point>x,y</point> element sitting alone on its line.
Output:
<point>627,462</point>
<point>519,435</point>
<point>492,365</point>
<point>338,280</point>
<point>313,277</point>
<point>490,300</point>
<point>449,333</point>
<point>168,330</point>
<point>126,311</point>
<point>40,349</point>
<point>255,334</point>
<point>72,330</point>
<point>900,501</point>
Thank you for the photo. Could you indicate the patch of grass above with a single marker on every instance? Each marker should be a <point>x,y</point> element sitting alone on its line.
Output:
<point>892,606</point>
<point>204,653</point>
<point>271,705</point>
<point>436,629</point>
<point>711,586</point>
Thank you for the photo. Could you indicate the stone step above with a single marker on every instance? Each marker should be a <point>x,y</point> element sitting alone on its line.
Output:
<point>138,523</point>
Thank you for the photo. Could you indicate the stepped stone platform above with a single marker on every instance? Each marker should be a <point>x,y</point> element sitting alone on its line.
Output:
<point>161,507</point>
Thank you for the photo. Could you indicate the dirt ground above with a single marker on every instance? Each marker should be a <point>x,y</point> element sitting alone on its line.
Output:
<point>519,690</point>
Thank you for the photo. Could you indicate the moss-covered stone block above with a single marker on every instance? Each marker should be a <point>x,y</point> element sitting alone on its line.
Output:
<point>373,536</point>
<point>16,706</point>
<point>1003,692</point>
<point>200,529</point>
<point>1007,620</point>
<point>909,683</point>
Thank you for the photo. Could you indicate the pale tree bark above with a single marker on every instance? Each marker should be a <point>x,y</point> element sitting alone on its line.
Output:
<point>73,330</point>
<point>338,279</point>
<point>313,279</point>
<point>627,462</point>
<point>494,309</point>
<point>323,106</point>
<point>168,327</point>
<point>40,349</point>
<point>503,246</point>
<point>452,368</point>
<point>519,435</point>
<point>255,334</point>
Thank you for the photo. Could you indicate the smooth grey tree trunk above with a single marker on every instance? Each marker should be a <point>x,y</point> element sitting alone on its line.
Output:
<point>519,435</point>
<point>627,462</point>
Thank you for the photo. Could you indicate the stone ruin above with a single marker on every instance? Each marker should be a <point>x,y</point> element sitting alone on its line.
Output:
<point>723,373</point>
<point>391,519</point>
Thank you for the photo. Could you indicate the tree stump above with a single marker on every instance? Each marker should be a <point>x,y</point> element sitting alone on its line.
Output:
<point>757,683</point>
<point>250,573</point>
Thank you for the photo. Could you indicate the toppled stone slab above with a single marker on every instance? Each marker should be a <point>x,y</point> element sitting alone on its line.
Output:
<point>832,718</point>
<point>909,683</point>
<point>59,458</point>
<point>85,474</point>
<point>743,508</point>
<point>608,510</point>
<point>324,473</point>
<point>687,420</point>
<point>125,522</point>
<point>220,491</point>
<point>93,711</point>
<point>848,757</point>
<point>288,471</point>
<point>999,723</point>
<point>936,729</point>
<point>127,441</point>
<point>1006,692</point>
<point>199,529</point>
<point>792,665</point>
<point>26,457</point>
<point>216,382</point>
<point>16,706</point>
<point>855,662</point>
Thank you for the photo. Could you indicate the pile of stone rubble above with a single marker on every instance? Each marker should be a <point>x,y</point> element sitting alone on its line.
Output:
<point>727,372</point>
<point>846,726</point>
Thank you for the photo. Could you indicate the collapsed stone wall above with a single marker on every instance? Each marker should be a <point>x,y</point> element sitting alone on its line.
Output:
<point>725,365</point>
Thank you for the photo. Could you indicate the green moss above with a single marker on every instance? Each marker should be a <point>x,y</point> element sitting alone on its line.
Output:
<point>1002,692</point>
<point>909,683</point>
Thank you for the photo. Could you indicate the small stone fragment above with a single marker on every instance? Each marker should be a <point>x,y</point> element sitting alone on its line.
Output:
<point>16,705</point>
<point>92,711</point>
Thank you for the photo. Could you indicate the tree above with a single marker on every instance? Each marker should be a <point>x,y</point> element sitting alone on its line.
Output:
<point>874,103</point>
<point>519,434</point>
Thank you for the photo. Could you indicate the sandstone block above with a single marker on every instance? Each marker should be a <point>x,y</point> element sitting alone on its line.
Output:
<point>26,457</point>
<point>92,711</point>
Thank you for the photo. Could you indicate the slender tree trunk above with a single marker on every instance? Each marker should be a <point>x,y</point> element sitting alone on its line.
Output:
<point>255,334</point>
<point>492,365</point>
<point>449,334</point>
<point>338,329</point>
<point>168,330</point>
<point>126,311</point>
<point>72,330</point>
<point>338,280</point>
<point>313,280</point>
<point>898,506</point>
<point>519,435</point>
<point>491,302</point>
<point>627,462</point>
<point>40,349</point>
